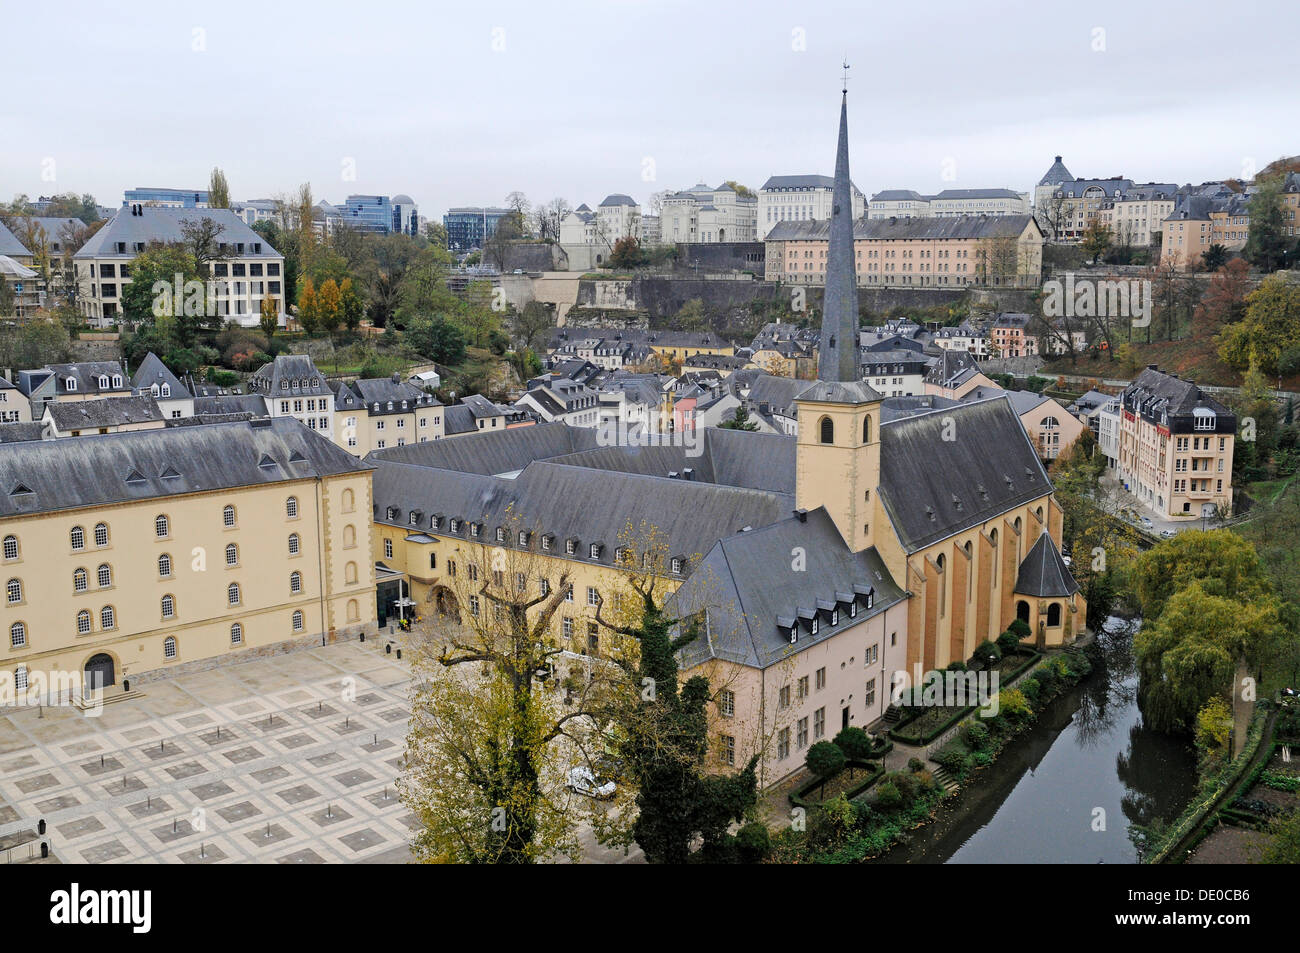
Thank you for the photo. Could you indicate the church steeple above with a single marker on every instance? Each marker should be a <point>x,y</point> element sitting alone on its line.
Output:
<point>838,355</point>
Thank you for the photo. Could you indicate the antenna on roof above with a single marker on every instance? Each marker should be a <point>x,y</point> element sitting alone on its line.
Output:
<point>846,74</point>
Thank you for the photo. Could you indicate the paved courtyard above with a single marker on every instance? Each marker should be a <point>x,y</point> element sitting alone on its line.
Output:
<point>291,759</point>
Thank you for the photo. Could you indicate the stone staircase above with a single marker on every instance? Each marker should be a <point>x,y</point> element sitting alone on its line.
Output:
<point>942,775</point>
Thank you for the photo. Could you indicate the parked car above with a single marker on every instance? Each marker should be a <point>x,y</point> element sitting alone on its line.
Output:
<point>1168,533</point>
<point>1146,522</point>
<point>582,781</point>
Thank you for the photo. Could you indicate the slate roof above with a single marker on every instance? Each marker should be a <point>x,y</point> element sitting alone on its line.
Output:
<point>1161,398</point>
<point>690,516</point>
<point>1109,187</point>
<point>87,375</point>
<point>618,198</point>
<point>14,433</point>
<point>1043,573</point>
<point>289,375</point>
<point>105,412</point>
<point>904,227</point>
<point>49,475</point>
<point>839,392</point>
<point>1022,401</point>
<point>1056,174</point>
<point>10,246</point>
<point>157,224</point>
<point>898,195</point>
<point>230,404</point>
<point>778,392</point>
<point>978,194</point>
<point>457,419</point>
<point>777,182</point>
<point>153,371</point>
<point>374,394</point>
<point>952,368</point>
<point>54,227</point>
<point>893,408</point>
<point>494,451</point>
<point>933,487</point>
<point>752,596</point>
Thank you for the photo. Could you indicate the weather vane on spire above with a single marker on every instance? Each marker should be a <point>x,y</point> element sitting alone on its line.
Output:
<point>846,74</point>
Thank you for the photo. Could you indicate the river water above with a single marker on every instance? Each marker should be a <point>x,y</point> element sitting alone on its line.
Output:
<point>1067,790</point>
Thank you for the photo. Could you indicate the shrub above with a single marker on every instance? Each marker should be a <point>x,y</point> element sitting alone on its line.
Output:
<point>915,764</point>
<point>982,653</point>
<point>888,797</point>
<point>908,785</point>
<point>957,666</point>
<point>1021,628</point>
<point>976,735</point>
<point>1077,664</point>
<point>753,842</point>
<point>954,758</point>
<point>824,759</point>
<point>1047,679</point>
<point>222,378</point>
<point>1029,687</point>
<point>1013,704</point>
<point>925,780</point>
<point>982,759</point>
<point>1008,642</point>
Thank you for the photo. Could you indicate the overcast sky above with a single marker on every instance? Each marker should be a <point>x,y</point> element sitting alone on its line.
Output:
<point>461,103</point>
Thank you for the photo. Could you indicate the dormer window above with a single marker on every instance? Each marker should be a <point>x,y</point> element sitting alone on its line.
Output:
<point>523,537</point>
<point>571,547</point>
<point>835,617</point>
<point>117,380</point>
<point>676,565</point>
<point>853,609</point>
<point>871,599</point>
<point>814,625</point>
<point>103,381</point>
<point>501,534</point>
<point>70,383</point>
<point>474,529</point>
<point>455,525</point>
<point>794,634</point>
<point>154,390</point>
<point>547,540</point>
<point>167,390</point>
<point>392,512</point>
<point>594,550</point>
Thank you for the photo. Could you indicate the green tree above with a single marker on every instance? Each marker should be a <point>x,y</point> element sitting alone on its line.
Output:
<point>269,317</point>
<point>160,267</point>
<point>308,307</point>
<point>663,735</point>
<point>353,308</point>
<point>1271,325</point>
<point>626,254</point>
<point>329,307</point>
<point>1096,239</point>
<point>1223,563</point>
<point>824,760</point>
<point>1214,258</point>
<point>691,317</point>
<point>218,190</point>
<point>8,300</point>
<point>739,421</point>
<point>435,339</point>
<point>1267,243</point>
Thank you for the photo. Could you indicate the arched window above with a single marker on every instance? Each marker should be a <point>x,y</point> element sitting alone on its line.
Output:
<point>349,536</point>
<point>827,430</point>
<point>169,647</point>
<point>297,620</point>
<point>79,580</point>
<point>236,634</point>
<point>350,573</point>
<point>168,606</point>
<point>295,582</point>
<point>232,554</point>
<point>18,635</point>
<point>107,618</point>
<point>14,591</point>
<point>20,678</point>
<point>1053,615</point>
<point>232,594</point>
<point>78,536</point>
<point>943,584</point>
<point>349,501</point>
<point>161,526</point>
<point>291,507</point>
<point>83,622</point>
<point>354,611</point>
<point>104,574</point>
<point>101,534</point>
<point>228,516</point>
<point>164,565</point>
<point>866,429</point>
<point>11,547</point>
<point>1039,513</point>
<point>293,544</point>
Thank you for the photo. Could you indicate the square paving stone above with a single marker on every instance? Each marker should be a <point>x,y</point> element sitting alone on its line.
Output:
<point>20,764</point>
<point>164,750</point>
<point>296,741</point>
<point>96,768</point>
<point>206,792</point>
<point>320,711</point>
<point>215,737</point>
<point>331,815</point>
<point>322,760</point>
<point>270,774</point>
<point>304,856</point>
<point>239,812</point>
<point>38,783</point>
<point>394,714</point>
<point>302,792</point>
<point>58,803</point>
<point>379,801</point>
<point>169,833</point>
<point>349,728</point>
<point>246,753</point>
<point>150,807</point>
<point>354,777</point>
<point>77,828</point>
<point>123,786</point>
<point>187,769</point>
<point>247,708</point>
<point>8,814</point>
<point>208,854</point>
<point>259,838</point>
<point>379,745</point>
<point>362,839</point>
<point>103,853</point>
<point>369,698</point>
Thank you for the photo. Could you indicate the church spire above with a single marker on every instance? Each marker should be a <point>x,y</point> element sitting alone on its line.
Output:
<point>838,355</point>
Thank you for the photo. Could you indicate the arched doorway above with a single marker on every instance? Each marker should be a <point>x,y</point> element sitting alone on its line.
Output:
<point>444,601</point>
<point>1053,615</point>
<point>1022,611</point>
<point>100,672</point>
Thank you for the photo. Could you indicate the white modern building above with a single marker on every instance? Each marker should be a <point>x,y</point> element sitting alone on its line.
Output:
<point>793,198</point>
<point>707,216</point>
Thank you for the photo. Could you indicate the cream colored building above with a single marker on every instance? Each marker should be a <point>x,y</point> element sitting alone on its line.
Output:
<point>707,215</point>
<point>1175,446</point>
<point>796,198</point>
<point>292,386</point>
<point>180,547</point>
<point>960,250</point>
<point>375,413</point>
<point>1135,218</point>
<point>247,270</point>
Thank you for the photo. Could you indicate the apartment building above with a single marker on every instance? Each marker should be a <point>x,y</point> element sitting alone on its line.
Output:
<point>1175,446</point>
<point>130,553</point>
<point>1210,215</point>
<point>1135,217</point>
<point>246,271</point>
<point>292,386</point>
<point>374,413</point>
<point>892,203</point>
